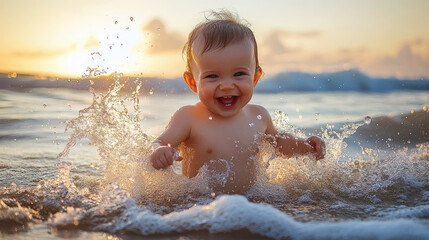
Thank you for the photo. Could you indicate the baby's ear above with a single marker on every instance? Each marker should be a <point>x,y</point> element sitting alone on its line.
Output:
<point>257,76</point>
<point>189,79</point>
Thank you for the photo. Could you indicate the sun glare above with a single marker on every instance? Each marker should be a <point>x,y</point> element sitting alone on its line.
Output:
<point>114,51</point>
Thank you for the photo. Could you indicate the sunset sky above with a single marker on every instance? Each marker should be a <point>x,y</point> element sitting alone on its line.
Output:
<point>382,38</point>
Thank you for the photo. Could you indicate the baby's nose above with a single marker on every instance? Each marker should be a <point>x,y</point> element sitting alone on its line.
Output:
<point>226,84</point>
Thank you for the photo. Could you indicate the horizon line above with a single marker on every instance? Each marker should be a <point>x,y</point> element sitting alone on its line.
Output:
<point>49,76</point>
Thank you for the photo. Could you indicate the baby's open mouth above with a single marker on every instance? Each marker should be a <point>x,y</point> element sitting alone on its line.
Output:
<point>227,101</point>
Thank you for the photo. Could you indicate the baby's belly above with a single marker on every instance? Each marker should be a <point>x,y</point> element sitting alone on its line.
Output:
<point>233,174</point>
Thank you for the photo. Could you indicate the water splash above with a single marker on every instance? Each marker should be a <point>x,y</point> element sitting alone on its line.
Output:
<point>112,125</point>
<point>374,175</point>
<point>114,128</point>
<point>134,198</point>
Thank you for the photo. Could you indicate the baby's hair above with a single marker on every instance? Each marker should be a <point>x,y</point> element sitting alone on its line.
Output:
<point>219,29</point>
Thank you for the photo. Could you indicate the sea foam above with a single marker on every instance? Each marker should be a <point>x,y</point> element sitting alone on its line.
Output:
<point>234,213</point>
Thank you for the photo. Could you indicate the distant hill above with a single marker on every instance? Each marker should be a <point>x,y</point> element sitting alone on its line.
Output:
<point>351,80</point>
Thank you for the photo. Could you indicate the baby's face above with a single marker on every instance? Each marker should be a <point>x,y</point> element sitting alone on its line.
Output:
<point>224,77</point>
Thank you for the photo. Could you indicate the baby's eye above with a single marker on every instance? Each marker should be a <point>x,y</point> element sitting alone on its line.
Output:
<point>211,76</point>
<point>237,74</point>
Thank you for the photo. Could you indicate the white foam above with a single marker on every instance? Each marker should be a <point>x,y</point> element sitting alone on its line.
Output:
<point>405,212</point>
<point>229,213</point>
<point>72,216</point>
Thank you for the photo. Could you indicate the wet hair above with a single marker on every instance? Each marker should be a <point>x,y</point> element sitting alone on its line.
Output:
<point>218,30</point>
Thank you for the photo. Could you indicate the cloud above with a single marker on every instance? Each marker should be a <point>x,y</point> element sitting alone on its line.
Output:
<point>162,40</point>
<point>274,42</point>
<point>410,61</point>
<point>46,53</point>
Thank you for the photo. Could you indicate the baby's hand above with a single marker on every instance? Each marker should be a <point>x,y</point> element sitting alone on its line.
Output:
<point>318,147</point>
<point>163,157</point>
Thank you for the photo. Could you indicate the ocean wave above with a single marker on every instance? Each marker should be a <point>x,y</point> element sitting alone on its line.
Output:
<point>405,212</point>
<point>62,205</point>
<point>234,213</point>
<point>351,80</point>
<point>405,129</point>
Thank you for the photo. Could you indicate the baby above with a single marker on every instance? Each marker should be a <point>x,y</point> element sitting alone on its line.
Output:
<point>223,68</point>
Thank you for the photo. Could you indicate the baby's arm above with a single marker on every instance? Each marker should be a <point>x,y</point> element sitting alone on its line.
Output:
<point>289,145</point>
<point>164,147</point>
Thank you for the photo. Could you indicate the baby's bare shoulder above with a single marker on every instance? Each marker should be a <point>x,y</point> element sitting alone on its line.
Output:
<point>263,114</point>
<point>186,110</point>
<point>257,109</point>
<point>182,114</point>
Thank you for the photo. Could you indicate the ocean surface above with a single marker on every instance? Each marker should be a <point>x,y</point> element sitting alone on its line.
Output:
<point>70,167</point>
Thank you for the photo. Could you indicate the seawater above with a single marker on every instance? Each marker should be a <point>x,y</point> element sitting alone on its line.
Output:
<point>72,164</point>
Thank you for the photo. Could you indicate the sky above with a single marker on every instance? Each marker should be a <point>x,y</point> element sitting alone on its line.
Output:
<point>383,38</point>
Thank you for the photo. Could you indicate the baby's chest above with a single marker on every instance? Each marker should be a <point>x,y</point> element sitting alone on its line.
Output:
<point>226,141</point>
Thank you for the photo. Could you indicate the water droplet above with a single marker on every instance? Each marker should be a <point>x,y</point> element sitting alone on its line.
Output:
<point>96,53</point>
<point>210,118</point>
<point>110,48</point>
<point>151,91</point>
<point>11,75</point>
<point>367,120</point>
<point>131,19</point>
<point>44,105</point>
<point>116,22</point>
<point>251,124</point>
<point>259,117</point>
